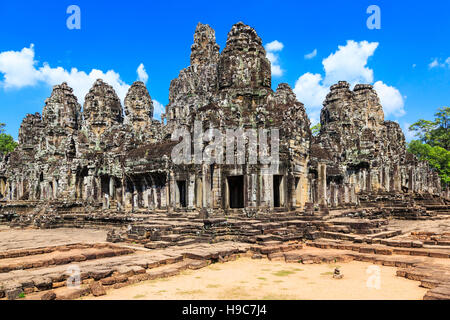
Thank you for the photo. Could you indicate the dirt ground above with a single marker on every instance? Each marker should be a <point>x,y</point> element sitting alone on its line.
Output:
<point>263,279</point>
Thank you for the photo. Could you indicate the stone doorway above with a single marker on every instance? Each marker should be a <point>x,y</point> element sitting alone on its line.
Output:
<point>182,193</point>
<point>277,191</point>
<point>236,191</point>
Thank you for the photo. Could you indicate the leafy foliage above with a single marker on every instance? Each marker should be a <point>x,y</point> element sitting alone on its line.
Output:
<point>434,133</point>
<point>434,143</point>
<point>7,143</point>
<point>315,129</point>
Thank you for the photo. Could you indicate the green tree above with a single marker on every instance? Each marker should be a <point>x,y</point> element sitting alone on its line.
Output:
<point>434,143</point>
<point>315,129</point>
<point>7,143</point>
<point>434,133</point>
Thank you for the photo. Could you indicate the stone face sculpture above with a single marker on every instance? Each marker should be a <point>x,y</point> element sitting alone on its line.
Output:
<point>82,157</point>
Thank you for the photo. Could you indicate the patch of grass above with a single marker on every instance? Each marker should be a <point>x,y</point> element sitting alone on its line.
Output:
<point>21,295</point>
<point>333,266</point>
<point>278,281</point>
<point>329,273</point>
<point>214,268</point>
<point>283,273</point>
<point>298,269</point>
<point>213,286</point>
<point>235,293</point>
<point>190,292</point>
<point>262,278</point>
<point>139,296</point>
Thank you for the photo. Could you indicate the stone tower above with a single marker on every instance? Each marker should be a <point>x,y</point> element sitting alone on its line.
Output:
<point>243,63</point>
<point>139,108</point>
<point>102,108</point>
<point>61,118</point>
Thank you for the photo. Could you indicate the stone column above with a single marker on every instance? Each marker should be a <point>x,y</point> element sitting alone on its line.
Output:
<point>191,191</point>
<point>322,183</point>
<point>397,180</point>
<point>112,188</point>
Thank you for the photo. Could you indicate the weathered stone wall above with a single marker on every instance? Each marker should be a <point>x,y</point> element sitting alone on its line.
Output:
<point>113,158</point>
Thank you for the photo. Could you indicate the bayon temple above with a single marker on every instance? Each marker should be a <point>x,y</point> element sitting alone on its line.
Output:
<point>106,157</point>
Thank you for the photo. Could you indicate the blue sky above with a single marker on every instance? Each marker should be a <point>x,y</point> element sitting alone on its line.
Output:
<point>407,59</point>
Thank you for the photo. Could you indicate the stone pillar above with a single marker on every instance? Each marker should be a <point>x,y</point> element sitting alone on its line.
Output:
<point>266,190</point>
<point>206,186</point>
<point>216,191</point>
<point>397,178</point>
<point>13,190</point>
<point>253,190</point>
<point>386,182</point>
<point>346,193</point>
<point>112,187</point>
<point>199,192</point>
<point>353,198</point>
<point>374,180</point>
<point>191,191</point>
<point>322,183</point>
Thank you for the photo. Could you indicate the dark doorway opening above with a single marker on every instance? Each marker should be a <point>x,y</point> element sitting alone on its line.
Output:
<point>236,191</point>
<point>182,192</point>
<point>276,190</point>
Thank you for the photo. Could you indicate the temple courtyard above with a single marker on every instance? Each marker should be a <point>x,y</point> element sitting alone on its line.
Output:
<point>71,263</point>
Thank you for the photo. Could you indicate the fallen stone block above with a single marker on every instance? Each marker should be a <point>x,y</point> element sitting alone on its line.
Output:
<point>43,283</point>
<point>50,295</point>
<point>109,281</point>
<point>97,289</point>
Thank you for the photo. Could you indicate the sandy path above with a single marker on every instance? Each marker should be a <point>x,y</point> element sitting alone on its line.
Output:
<point>263,279</point>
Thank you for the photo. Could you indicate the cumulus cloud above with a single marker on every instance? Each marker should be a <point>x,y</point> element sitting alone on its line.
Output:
<point>311,92</point>
<point>142,73</point>
<point>348,63</point>
<point>20,69</point>
<point>311,55</point>
<point>274,46</point>
<point>390,98</point>
<point>271,48</point>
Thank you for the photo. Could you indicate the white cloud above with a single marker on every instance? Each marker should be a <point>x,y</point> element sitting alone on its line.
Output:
<point>271,48</point>
<point>158,109</point>
<point>437,64</point>
<point>274,46</point>
<point>390,98</point>
<point>312,93</point>
<point>20,69</point>
<point>142,74</point>
<point>433,64</point>
<point>348,63</point>
<point>311,55</point>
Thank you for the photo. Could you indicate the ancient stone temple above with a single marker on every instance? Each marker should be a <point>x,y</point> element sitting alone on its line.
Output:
<point>105,157</point>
